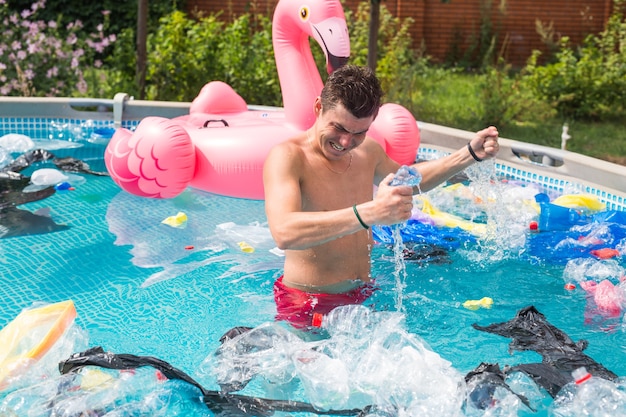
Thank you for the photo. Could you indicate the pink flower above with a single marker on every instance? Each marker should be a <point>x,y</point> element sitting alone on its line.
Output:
<point>38,5</point>
<point>81,86</point>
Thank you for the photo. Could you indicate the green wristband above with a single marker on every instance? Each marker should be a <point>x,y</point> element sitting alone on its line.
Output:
<point>365,226</point>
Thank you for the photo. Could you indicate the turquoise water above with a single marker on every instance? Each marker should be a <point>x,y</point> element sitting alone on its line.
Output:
<point>146,288</point>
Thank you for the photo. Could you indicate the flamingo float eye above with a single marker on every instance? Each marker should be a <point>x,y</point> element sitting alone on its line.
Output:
<point>304,13</point>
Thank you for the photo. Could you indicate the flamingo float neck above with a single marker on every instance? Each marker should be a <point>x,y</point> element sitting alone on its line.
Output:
<point>300,81</point>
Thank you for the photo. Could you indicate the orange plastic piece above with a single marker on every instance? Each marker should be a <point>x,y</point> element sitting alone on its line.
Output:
<point>605,253</point>
<point>30,336</point>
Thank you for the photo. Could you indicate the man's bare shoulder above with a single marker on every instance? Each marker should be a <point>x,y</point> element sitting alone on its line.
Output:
<point>294,144</point>
<point>289,152</point>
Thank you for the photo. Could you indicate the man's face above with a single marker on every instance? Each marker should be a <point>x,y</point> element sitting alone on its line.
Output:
<point>339,131</point>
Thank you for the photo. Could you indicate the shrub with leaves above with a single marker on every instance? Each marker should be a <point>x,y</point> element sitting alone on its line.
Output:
<point>394,43</point>
<point>39,58</point>
<point>247,55</point>
<point>184,54</point>
<point>588,83</point>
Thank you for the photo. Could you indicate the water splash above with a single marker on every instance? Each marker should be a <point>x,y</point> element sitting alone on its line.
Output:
<point>506,210</point>
<point>405,176</point>
<point>399,272</point>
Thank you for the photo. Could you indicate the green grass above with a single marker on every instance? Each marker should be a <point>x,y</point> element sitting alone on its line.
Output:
<point>605,140</point>
<point>454,99</point>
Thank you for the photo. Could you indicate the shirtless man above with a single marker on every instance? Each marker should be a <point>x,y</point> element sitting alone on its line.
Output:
<point>319,197</point>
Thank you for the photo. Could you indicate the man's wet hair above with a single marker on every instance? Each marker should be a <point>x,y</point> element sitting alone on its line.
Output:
<point>356,87</point>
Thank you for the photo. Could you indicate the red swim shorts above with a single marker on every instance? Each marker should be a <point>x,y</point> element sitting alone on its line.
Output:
<point>297,306</point>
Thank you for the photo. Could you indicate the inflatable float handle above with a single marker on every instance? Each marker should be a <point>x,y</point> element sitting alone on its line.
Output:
<point>206,124</point>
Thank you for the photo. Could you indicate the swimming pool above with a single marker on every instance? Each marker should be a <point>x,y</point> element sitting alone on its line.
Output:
<point>146,288</point>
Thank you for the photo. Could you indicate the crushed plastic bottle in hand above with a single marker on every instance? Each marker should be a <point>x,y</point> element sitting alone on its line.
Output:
<point>407,175</point>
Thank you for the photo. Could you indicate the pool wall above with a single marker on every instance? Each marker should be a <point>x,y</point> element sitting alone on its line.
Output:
<point>552,168</point>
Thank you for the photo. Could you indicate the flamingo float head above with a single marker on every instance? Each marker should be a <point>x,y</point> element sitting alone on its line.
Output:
<point>294,22</point>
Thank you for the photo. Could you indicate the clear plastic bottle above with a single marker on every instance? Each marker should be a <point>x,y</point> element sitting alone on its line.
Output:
<point>351,320</point>
<point>407,175</point>
<point>589,396</point>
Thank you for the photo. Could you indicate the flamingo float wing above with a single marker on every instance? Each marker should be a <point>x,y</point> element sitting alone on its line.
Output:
<point>157,160</point>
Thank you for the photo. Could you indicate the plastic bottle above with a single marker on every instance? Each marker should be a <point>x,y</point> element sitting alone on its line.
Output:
<point>588,395</point>
<point>351,320</point>
<point>407,175</point>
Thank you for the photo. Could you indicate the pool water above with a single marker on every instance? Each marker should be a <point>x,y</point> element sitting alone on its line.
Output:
<point>146,288</point>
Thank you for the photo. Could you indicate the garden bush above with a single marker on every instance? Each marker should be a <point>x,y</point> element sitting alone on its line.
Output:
<point>123,14</point>
<point>42,58</point>
<point>585,83</point>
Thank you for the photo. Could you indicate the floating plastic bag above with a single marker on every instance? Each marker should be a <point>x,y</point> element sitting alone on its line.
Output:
<point>246,238</point>
<point>30,336</point>
<point>48,176</point>
<point>14,142</point>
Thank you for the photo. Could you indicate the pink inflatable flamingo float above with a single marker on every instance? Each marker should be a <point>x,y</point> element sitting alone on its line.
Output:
<point>220,147</point>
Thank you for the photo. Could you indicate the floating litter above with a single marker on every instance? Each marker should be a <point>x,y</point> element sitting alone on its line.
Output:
<point>485,302</point>
<point>245,247</point>
<point>570,286</point>
<point>179,220</point>
<point>48,176</point>
<point>63,186</point>
<point>605,253</point>
<point>189,247</point>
